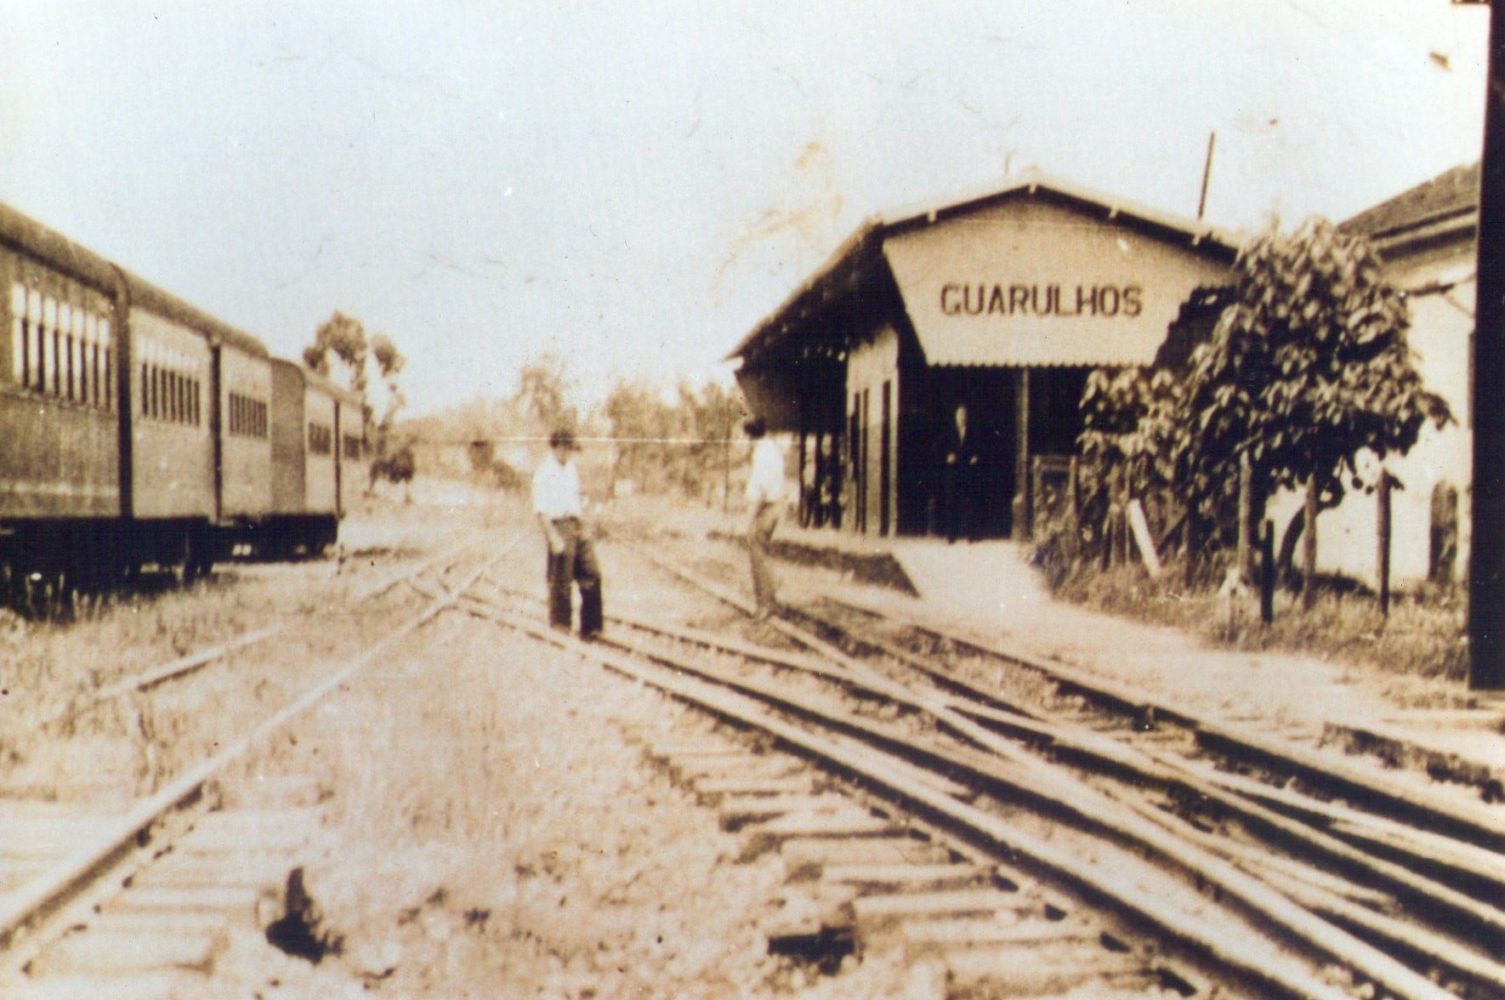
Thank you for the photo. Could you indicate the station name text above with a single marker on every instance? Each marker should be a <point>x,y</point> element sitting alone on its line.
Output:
<point>981,299</point>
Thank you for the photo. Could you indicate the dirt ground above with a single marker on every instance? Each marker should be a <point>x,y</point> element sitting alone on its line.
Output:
<point>490,825</point>
<point>492,832</point>
<point>488,822</point>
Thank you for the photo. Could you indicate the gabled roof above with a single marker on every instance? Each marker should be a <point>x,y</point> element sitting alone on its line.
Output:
<point>859,262</point>
<point>1439,213</point>
<point>1451,193</point>
<point>1168,225</point>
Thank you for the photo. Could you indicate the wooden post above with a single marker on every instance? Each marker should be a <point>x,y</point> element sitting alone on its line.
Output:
<point>1267,572</point>
<point>1121,536</point>
<point>1383,561</point>
<point>805,516</point>
<point>1486,569</point>
<point>1309,546</point>
<point>1143,540</point>
<point>1188,547</point>
<point>1023,511</point>
<point>1245,543</point>
<point>1212,140</point>
<point>1073,510</point>
<point>1073,497</point>
<point>726,462</point>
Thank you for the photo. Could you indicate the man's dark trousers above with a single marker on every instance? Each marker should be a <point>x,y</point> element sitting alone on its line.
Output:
<point>575,562</point>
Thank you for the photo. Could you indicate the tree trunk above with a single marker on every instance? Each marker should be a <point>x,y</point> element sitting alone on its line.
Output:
<point>1288,541</point>
<point>1309,546</point>
<point>1245,555</point>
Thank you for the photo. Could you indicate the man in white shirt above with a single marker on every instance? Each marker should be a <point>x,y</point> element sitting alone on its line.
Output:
<point>765,500</point>
<point>572,556</point>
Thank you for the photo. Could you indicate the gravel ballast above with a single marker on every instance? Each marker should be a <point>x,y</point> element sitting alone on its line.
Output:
<point>491,831</point>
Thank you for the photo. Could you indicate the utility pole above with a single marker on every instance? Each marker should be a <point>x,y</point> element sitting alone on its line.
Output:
<point>1212,139</point>
<point>1486,572</point>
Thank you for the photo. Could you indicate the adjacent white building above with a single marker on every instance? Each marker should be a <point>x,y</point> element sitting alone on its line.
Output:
<point>1426,236</point>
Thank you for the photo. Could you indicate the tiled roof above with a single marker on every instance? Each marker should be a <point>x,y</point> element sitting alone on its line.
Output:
<point>1452,192</point>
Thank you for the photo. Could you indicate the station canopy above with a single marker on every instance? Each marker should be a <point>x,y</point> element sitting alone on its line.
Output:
<point>1039,273</point>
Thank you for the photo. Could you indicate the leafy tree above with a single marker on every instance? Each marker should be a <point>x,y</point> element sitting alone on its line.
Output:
<point>543,387</point>
<point>710,413</point>
<point>394,459</point>
<point>1131,426</point>
<point>680,444</point>
<point>344,338</point>
<point>398,465</point>
<point>640,423</point>
<point>1307,368</point>
<point>341,342</point>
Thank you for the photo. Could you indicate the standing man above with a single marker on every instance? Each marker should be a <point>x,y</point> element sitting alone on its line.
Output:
<point>959,479</point>
<point>765,500</point>
<point>572,557</point>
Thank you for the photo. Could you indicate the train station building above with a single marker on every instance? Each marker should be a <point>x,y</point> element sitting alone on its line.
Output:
<point>999,304</point>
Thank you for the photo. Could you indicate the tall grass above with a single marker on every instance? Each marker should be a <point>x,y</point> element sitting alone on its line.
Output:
<point>1422,637</point>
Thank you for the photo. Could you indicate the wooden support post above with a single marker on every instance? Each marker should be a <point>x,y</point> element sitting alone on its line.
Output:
<point>1189,548</point>
<point>821,444</point>
<point>1023,512</point>
<point>1267,572</point>
<point>1073,511</point>
<point>726,463</point>
<point>1073,495</point>
<point>1486,571</point>
<point>805,515</point>
<point>1121,536</point>
<point>1309,546</point>
<point>1383,561</point>
<point>1143,540</point>
<point>1245,554</point>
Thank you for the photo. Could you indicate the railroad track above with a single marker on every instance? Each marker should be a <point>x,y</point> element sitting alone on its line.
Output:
<point>190,663</point>
<point>145,898</point>
<point>1131,837</point>
<point>1396,890</point>
<point>1025,854</point>
<point>867,868</point>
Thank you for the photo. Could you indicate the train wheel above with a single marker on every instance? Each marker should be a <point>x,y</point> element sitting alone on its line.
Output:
<point>200,554</point>
<point>13,580</point>
<point>172,557</point>
<point>47,594</point>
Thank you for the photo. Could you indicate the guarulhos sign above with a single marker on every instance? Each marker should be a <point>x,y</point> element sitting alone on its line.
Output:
<point>1019,299</point>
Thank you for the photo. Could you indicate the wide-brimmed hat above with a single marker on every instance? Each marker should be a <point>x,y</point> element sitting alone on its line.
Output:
<point>563,437</point>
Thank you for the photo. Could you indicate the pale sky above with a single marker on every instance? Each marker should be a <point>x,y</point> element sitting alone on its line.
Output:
<point>635,185</point>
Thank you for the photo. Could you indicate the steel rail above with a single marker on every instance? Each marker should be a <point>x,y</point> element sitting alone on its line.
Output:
<point>1484,919</point>
<point>44,895</point>
<point>1023,777</point>
<point>193,662</point>
<point>1375,834</point>
<point>1276,974</point>
<point>1473,915</point>
<point>1248,800</point>
<point>1466,822</point>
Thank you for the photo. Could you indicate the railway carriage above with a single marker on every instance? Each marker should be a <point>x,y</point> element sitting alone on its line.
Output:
<point>177,462</point>
<point>309,477</point>
<point>61,501</point>
<point>245,406</point>
<point>350,432</point>
<point>136,429</point>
